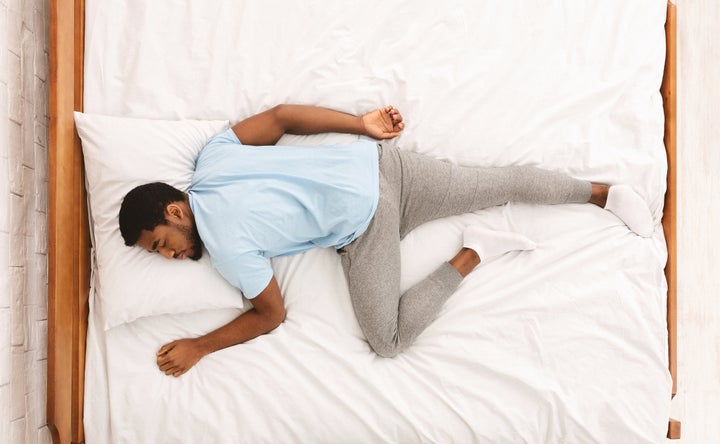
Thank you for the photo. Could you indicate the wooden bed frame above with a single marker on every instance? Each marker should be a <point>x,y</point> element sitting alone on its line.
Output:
<point>69,239</point>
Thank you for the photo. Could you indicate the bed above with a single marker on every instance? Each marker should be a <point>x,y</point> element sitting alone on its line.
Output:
<point>572,343</point>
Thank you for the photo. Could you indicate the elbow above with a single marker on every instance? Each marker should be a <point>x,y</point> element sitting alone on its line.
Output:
<point>276,317</point>
<point>286,119</point>
<point>279,114</point>
<point>280,317</point>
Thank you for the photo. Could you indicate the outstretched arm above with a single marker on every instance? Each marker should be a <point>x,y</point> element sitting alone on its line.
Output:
<point>267,313</point>
<point>267,127</point>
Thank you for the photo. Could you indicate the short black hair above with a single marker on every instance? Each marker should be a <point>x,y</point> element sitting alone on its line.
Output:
<point>143,208</point>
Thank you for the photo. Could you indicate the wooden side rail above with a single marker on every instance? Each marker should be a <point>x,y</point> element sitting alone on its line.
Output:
<point>669,93</point>
<point>68,233</point>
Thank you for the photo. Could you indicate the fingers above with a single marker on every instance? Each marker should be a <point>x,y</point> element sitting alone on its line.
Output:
<point>166,348</point>
<point>165,363</point>
<point>393,112</point>
<point>396,118</point>
<point>170,367</point>
<point>174,358</point>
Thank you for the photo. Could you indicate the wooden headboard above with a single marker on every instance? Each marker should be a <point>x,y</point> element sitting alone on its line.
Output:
<point>68,231</point>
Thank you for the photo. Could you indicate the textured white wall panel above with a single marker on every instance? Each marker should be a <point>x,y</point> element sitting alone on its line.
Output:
<point>23,220</point>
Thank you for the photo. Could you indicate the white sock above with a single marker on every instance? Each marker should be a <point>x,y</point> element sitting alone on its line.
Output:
<point>489,243</point>
<point>627,205</point>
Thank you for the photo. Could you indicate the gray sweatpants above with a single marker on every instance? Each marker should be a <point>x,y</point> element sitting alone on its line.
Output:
<point>415,189</point>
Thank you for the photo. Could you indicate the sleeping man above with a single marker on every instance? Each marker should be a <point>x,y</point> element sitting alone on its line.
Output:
<point>250,200</point>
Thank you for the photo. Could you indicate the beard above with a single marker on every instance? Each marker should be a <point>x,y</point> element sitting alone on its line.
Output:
<point>193,237</point>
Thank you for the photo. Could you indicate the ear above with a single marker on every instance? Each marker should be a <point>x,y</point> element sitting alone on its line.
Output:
<point>174,210</point>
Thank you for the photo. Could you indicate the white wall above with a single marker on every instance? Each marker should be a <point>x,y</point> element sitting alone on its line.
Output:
<point>23,220</point>
<point>697,403</point>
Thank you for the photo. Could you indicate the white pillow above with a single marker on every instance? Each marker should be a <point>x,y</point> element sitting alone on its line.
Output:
<point>120,154</point>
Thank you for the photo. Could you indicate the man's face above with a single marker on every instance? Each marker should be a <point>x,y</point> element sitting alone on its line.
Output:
<point>175,240</point>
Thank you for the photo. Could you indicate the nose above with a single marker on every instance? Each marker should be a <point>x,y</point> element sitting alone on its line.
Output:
<point>167,253</point>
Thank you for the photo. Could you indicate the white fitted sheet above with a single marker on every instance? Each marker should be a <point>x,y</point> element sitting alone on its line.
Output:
<point>567,343</point>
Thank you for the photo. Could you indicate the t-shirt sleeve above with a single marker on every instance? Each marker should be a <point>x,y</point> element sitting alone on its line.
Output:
<point>225,137</point>
<point>250,272</point>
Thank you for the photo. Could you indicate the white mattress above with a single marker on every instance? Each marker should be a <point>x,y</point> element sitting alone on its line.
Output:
<point>567,343</point>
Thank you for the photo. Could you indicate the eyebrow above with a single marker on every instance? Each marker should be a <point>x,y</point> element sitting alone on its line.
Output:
<point>154,246</point>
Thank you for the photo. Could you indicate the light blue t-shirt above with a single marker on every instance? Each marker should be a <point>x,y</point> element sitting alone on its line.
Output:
<point>253,203</point>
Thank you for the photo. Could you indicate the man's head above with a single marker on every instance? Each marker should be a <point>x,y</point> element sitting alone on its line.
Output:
<point>157,217</point>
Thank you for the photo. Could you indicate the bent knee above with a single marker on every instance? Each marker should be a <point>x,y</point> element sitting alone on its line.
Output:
<point>386,348</point>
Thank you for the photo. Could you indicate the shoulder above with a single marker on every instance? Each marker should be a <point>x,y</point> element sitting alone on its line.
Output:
<point>220,145</point>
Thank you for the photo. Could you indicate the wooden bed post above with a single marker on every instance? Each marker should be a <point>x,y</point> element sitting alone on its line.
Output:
<point>68,235</point>
<point>669,93</point>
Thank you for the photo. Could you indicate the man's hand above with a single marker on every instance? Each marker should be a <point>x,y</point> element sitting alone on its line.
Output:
<point>383,123</point>
<point>179,356</point>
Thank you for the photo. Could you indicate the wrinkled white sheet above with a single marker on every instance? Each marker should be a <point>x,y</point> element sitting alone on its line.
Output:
<point>563,344</point>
